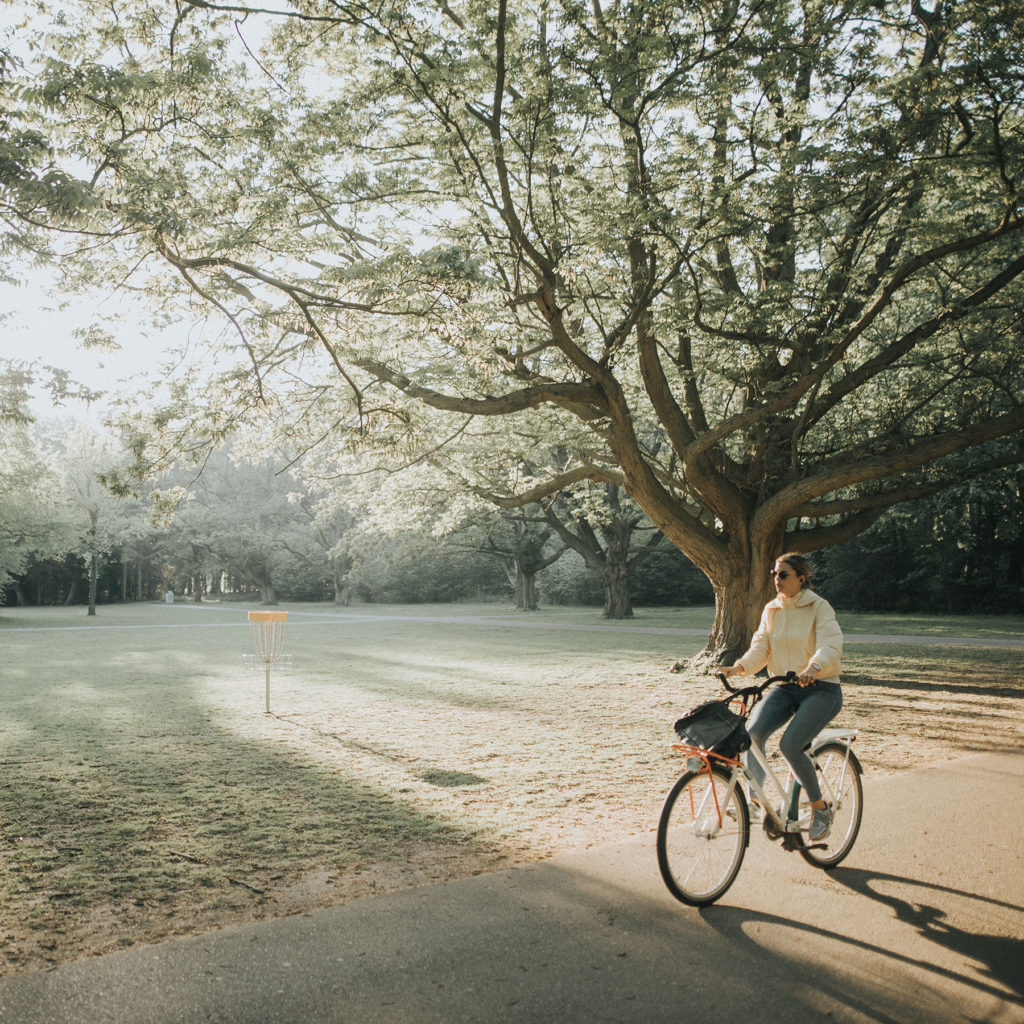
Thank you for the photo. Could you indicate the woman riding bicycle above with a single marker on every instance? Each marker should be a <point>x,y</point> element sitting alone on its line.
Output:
<point>798,633</point>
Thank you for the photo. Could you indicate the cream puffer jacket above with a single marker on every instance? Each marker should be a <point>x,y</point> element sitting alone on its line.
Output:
<point>795,633</point>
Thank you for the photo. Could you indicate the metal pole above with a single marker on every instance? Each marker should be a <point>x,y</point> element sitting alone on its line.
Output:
<point>268,688</point>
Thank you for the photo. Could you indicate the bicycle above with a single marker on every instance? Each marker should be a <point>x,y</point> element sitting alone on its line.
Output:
<point>704,829</point>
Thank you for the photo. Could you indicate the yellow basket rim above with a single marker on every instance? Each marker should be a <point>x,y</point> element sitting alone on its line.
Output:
<point>267,616</point>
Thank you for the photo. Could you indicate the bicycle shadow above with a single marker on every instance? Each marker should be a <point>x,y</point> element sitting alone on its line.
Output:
<point>1001,956</point>
<point>998,956</point>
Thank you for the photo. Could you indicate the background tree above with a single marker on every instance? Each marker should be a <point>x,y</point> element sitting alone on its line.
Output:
<point>597,520</point>
<point>139,544</point>
<point>766,257</point>
<point>522,547</point>
<point>332,526</point>
<point>240,516</point>
<point>84,457</point>
<point>368,521</point>
<point>959,551</point>
<point>28,488</point>
<point>604,532</point>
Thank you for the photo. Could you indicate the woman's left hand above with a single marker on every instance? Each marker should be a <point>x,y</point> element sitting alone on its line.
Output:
<point>807,678</point>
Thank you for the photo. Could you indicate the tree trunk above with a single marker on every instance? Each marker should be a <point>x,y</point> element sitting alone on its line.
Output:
<point>526,591</point>
<point>524,584</point>
<point>267,595</point>
<point>741,593</point>
<point>737,613</point>
<point>339,569</point>
<point>615,570</point>
<point>93,578</point>
<point>615,578</point>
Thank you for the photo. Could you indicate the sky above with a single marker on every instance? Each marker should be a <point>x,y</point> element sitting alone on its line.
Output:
<point>34,328</point>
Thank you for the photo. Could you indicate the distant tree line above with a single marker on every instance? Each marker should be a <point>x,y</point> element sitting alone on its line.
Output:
<point>240,527</point>
<point>253,520</point>
<point>244,530</point>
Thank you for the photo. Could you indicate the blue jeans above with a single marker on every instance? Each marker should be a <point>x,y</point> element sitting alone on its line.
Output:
<point>811,708</point>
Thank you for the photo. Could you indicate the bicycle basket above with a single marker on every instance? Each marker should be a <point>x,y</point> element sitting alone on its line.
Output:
<point>713,726</point>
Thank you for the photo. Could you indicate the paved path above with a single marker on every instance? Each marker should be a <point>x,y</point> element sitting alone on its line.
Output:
<point>924,924</point>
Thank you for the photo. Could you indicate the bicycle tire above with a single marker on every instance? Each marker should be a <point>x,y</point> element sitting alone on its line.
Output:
<point>840,773</point>
<point>698,854</point>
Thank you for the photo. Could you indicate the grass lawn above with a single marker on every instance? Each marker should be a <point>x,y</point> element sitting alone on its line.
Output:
<point>145,792</point>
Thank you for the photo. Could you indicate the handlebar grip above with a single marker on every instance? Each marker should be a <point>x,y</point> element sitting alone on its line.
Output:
<point>724,680</point>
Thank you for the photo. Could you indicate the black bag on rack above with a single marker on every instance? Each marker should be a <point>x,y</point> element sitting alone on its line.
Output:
<point>713,726</point>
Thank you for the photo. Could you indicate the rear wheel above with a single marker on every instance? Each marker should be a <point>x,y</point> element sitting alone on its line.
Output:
<point>702,836</point>
<point>839,776</point>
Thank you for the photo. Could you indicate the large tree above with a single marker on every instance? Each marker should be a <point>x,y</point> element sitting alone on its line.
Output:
<point>762,259</point>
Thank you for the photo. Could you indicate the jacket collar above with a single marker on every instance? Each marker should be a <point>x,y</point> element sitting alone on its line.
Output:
<point>800,600</point>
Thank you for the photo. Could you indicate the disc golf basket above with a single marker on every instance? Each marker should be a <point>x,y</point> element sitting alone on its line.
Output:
<point>267,631</point>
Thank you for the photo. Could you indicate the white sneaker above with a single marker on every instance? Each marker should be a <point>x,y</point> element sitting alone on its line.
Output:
<point>756,812</point>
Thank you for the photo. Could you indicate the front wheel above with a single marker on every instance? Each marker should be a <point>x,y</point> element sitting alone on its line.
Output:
<point>839,775</point>
<point>702,836</point>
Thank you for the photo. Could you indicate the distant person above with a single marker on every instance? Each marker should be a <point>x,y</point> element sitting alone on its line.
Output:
<point>798,633</point>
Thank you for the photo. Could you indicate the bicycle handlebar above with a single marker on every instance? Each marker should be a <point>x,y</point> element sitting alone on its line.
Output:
<point>750,691</point>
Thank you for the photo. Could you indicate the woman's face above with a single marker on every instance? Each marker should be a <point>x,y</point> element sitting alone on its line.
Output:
<point>787,582</point>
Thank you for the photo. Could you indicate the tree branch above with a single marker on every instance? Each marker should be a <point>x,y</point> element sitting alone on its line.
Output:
<point>782,505</point>
<point>551,486</point>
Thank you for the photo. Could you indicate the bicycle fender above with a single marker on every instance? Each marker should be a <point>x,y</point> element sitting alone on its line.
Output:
<point>854,760</point>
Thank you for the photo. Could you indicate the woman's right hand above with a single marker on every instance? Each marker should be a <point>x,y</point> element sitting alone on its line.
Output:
<point>730,670</point>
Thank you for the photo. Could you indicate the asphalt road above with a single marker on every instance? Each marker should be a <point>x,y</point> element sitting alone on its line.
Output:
<point>923,923</point>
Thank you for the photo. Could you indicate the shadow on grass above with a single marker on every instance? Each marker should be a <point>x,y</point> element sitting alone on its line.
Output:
<point>131,811</point>
<point>979,689</point>
<point>451,779</point>
<point>412,676</point>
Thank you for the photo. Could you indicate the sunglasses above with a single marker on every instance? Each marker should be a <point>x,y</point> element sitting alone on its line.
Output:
<point>782,574</point>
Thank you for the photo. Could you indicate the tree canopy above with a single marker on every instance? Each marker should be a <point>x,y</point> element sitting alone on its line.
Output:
<point>757,262</point>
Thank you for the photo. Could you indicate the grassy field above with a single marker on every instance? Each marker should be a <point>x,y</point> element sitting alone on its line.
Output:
<point>145,793</point>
